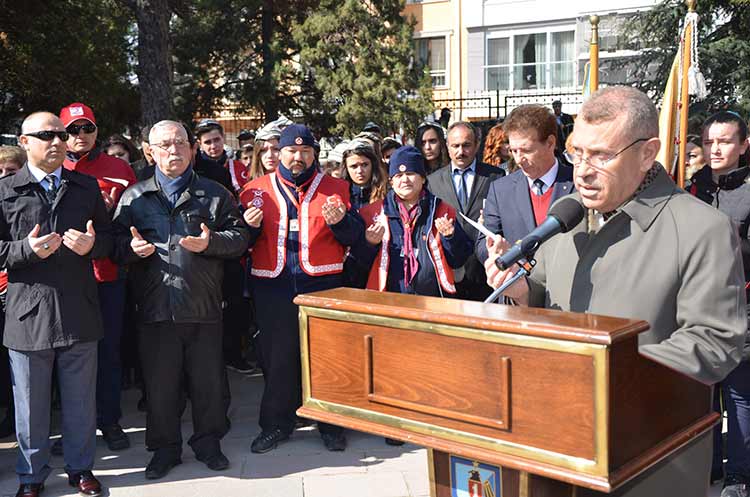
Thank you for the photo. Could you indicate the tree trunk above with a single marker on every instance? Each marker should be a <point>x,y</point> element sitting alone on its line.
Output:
<point>270,105</point>
<point>154,59</point>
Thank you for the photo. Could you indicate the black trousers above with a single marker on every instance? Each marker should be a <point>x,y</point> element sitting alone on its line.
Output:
<point>236,313</point>
<point>170,354</point>
<point>278,351</point>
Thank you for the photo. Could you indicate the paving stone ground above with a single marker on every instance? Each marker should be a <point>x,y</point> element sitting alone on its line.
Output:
<point>300,467</point>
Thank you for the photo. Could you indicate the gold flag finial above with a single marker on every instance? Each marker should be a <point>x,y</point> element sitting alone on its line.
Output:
<point>691,5</point>
<point>594,20</point>
<point>594,55</point>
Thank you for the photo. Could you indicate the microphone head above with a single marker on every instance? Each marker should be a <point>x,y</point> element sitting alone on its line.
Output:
<point>569,212</point>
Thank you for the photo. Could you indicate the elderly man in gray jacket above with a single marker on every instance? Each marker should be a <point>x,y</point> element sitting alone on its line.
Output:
<point>646,250</point>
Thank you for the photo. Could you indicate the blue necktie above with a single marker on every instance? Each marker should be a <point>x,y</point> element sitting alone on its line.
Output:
<point>461,190</point>
<point>51,189</point>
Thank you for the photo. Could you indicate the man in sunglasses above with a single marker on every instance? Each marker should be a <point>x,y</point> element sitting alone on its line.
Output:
<point>53,222</point>
<point>645,249</point>
<point>113,176</point>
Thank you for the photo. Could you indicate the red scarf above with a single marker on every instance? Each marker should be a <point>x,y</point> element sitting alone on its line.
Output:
<point>409,218</point>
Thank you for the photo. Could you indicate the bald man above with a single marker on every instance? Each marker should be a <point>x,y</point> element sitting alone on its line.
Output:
<point>53,222</point>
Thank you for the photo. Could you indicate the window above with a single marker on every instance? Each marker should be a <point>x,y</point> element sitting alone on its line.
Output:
<point>431,53</point>
<point>531,61</point>
<point>498,64</point>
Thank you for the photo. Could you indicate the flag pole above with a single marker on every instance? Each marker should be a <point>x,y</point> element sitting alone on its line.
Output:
<point>684,97</point>
<point>594,55</point>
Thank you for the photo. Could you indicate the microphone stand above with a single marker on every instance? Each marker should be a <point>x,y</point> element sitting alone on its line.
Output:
<point>525,267</point>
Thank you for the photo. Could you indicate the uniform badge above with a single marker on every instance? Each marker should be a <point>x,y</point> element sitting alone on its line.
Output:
<point>76,111</point>
<point>298,140</point>
<point>257,200</point>
<point>402,168</point>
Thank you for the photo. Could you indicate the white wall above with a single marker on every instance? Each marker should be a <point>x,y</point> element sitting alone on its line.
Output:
<point>486,13</point>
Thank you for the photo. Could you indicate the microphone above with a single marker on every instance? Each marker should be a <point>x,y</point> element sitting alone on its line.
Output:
<point>564,216</point>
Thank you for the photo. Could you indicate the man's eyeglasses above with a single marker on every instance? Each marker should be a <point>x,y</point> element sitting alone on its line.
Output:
<point>179,142</point>
<point>49,135</point>
<point>74,129</point>
<point>597,160</point>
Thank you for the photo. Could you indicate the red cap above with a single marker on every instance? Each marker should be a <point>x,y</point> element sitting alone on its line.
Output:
<point>76,111</point>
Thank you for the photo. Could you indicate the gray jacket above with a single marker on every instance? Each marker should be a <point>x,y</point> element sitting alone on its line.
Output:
<point>666,258</point>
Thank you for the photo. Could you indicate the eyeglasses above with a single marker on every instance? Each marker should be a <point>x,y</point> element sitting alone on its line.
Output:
<point>49,135</point>
<point>178,142</point>
<point>597,160</point>
<point>74,129</point>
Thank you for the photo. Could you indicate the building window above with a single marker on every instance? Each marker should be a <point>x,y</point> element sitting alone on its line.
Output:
<point>431,53</point>
<point>498,64</point>
<point>531,61</point>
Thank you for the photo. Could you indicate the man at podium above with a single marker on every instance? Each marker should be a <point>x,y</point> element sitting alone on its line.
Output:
<point>644,250</point>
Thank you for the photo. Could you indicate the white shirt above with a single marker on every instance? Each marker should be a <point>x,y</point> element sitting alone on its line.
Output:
<point>40,175</point>
<point>471,170</point>
<point>548,179</point>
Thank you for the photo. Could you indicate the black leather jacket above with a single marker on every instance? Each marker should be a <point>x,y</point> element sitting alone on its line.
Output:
<point>174,284</point>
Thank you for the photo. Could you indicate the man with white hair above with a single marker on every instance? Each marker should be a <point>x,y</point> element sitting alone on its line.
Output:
<point>645,250</point>
<point>175,230</point>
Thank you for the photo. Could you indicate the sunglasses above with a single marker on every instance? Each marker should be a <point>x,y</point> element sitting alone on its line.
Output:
<point>74,129</point>
<point>48,136</point>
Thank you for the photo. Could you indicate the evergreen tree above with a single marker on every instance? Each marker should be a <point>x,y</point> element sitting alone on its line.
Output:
<point>357,64</point>
<point>723,49</point>
<point>55,53</point>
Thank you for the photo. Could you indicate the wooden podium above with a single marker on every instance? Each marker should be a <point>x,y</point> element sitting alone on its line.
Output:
<point>548,400</point>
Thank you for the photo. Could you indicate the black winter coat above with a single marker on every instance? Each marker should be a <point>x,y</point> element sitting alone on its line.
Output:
<point>174,284</point>
<point>51,302</point>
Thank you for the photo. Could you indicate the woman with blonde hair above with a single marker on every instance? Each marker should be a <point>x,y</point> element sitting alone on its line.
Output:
<point>265,152</point>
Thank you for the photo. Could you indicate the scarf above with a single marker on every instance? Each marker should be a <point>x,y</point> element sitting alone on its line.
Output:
<point>173,187</point>
<point>409,218</point>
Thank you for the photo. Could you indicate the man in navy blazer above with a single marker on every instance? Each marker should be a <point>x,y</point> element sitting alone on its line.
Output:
<point>464,185</point>
<point>517,203</point>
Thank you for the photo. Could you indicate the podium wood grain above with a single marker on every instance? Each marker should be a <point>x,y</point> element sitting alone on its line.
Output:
<point>564,396</point>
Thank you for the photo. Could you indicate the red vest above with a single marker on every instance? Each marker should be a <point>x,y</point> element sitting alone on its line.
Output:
<point>540,204</point>
<point>378,277</point>
<point>238,173</point>
<point>110,172</point>
<point>319,251</point>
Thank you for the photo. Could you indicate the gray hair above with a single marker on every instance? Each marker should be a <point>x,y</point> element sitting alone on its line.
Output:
<point>628,105</point>
<point>165,124</point>
<point>467,126</point>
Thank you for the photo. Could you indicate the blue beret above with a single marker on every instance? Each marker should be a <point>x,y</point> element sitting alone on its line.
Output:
<point>296,134</point>
<point>406,159</point>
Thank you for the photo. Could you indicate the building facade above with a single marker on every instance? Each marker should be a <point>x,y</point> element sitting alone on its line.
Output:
<point>488,56</point>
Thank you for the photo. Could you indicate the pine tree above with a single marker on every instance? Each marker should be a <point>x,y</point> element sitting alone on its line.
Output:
<point>357,64</point>
<point>723,49</point>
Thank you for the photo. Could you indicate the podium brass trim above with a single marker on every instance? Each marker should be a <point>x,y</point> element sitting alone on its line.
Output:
<point>598,466</point>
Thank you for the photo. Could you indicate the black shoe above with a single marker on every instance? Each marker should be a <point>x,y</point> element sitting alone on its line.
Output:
<point>268,440</point>
<point>30,489</point>
<point>161,464</point>
<point>57,448</point>
<point>215,462</point>
<point>394,442</point>
<point>241,366</point>
<point>115,438</point>
<point>734,486</point>
<point>334,443</point>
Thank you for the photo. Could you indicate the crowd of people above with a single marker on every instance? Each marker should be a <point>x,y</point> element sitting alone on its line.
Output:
<point>181,260</point>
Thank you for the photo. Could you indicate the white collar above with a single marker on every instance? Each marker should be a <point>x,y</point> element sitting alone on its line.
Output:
<point>549,177</point>
<point>472,166</point>
<point>39,174</point>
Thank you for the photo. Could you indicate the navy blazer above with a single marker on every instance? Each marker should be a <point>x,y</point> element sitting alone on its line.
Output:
<point>508,208</point>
